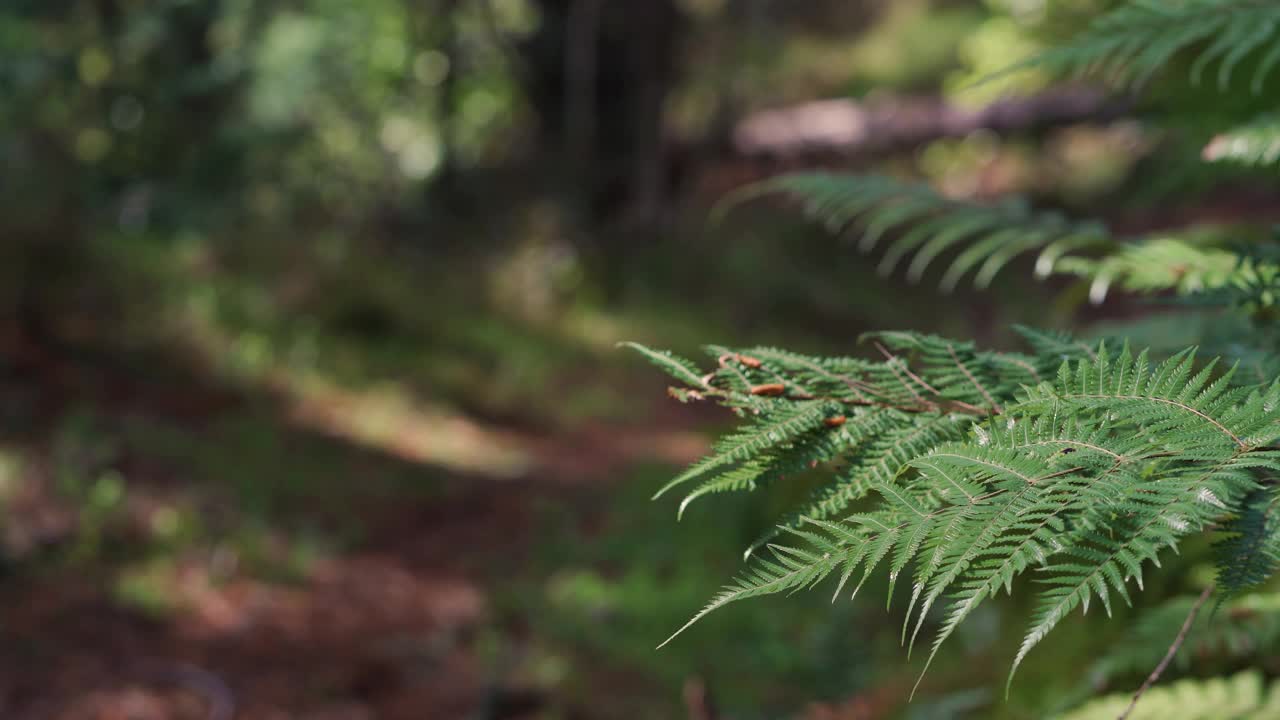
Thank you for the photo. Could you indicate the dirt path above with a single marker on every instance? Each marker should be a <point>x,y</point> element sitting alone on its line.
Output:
<point>393,627</point>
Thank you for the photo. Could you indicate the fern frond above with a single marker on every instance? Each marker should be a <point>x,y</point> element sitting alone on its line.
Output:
<point>1103,556</point>
<point>789,569</point>
<point>1045,484</point>
<point>783,424</point>
<point>960,471</point>
<point>1250,553</point>
<point>1244,696</point>
<point>891,439</point>
<point>1056,346</point>
<point>982,239</point>
<point>799,456</point>
<point>1154,264</point>
<point>910,402</point>
<point>1128,45</point>
<point>978,467</point>
<point>1255,143</point>
<point>674,365</point>
<point>1251,287</point>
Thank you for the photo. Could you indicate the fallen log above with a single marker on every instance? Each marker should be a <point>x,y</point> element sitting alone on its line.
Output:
<point>847,128</point>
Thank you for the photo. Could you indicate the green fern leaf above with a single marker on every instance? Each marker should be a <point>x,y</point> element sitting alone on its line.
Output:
<point>1134,41</point>
<point>1250,553</point>
<point>673,365</point>
<point>979,467</point>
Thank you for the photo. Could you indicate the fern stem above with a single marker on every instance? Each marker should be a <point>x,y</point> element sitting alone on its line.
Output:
<point>1173,650</point>
<point>922,405</point>
<point>995,407</point>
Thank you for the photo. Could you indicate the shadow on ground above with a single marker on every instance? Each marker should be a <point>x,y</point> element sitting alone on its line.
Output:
<point>182,548</point>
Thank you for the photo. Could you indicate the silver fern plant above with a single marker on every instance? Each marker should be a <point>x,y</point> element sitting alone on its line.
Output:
<point>956,471</point>
<point>979,467</point>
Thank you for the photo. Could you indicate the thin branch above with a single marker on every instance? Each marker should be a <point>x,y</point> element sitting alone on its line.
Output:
<point>1173,650</point>
<point>849,382</point>
<point>943,406</point>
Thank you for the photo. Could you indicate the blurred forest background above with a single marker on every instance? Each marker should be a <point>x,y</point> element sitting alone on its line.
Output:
<point>309,399</point>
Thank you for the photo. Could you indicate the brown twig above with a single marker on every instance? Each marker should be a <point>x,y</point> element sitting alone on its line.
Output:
<point>1173,650</point>
<point>924,406</point>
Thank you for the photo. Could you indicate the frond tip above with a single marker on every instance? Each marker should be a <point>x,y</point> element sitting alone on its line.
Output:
<point>674,365</point>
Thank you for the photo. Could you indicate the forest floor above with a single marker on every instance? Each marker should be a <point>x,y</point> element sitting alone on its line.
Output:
<point>147,610</point>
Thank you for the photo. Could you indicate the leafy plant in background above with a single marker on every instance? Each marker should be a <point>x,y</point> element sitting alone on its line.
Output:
<point>956,470</point>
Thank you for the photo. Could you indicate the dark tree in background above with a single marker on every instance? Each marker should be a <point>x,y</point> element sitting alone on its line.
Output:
<point>599,75</point>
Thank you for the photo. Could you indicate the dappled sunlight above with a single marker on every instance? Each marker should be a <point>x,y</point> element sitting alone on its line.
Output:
<point>389,419</point>
<point>317,391</point>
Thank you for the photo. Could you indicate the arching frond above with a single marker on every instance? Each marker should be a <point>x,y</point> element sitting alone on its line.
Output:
<point>1249,555</point>
<point>1139,38</point>
<point>967,239</point>
<point>1154,264</point>
<point>978,467</point>
<point>925,226</point>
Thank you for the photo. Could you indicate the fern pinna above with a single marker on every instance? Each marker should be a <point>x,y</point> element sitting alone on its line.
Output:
<point>962,469</point>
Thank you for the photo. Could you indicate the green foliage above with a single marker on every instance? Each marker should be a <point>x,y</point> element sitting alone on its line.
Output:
<point>1245,696</point>
<point>674,365</point>
<point>611,592</point>
<point>1250,554</point>
<point>988,237</point>
<point>923,228</point>
<point>1138,39</point>
<point>1254,143</point>
<point>961,470</point>
<point>1244,627</point>
<point>984,239</point>
<point>1085,477</point>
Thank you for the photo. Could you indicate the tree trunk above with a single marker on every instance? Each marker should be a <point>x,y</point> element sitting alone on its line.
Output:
<point>598,77</point>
